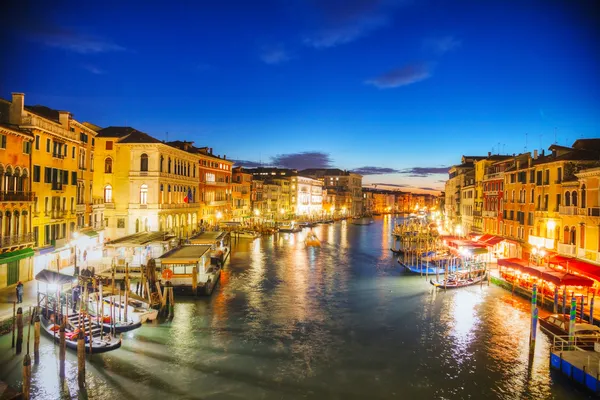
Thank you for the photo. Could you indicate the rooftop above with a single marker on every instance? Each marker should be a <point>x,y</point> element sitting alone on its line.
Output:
<point>190,253</point>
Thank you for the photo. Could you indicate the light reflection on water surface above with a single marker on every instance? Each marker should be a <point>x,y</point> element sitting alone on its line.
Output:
<point>341,321</point>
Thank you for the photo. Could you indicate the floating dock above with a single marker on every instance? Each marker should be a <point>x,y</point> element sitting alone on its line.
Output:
<point>582,367</point>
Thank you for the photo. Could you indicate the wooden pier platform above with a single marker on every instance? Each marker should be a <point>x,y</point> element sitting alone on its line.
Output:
<point>582,367</point>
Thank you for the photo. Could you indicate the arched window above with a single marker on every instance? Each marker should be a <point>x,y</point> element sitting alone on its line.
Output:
<point>108,194</point>
<point>583,196</point>
<point>108,165</point>
<point>169,165</point>
<point>144,194</point>
<point>162,161</point>
<point>137,225</point>
<point>144,162</point>
<point>574,198</point>
<point>573,238</point>
<point>567,198</point>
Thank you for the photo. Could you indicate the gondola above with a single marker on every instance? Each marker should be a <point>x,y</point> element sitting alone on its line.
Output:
<point>455,282</point>
<point>399,251</point>
<point>99,344</point>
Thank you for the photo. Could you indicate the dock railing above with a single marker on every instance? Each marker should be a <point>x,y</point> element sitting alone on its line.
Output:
<point>566,343</point>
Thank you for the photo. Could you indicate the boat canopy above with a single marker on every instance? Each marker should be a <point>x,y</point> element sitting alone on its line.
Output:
<point>558,278</point>
<point>53,278</point>
<point>184,255</point>
<point>584,268</point>
<point>209,237</point>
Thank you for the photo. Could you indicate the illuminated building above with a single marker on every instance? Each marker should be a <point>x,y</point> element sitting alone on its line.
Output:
<point>215,174</point>
<point>344,188</point>
<point>146,185</point>
<point>241,191</point>
<point>16,199</point>
<point>456,180</point>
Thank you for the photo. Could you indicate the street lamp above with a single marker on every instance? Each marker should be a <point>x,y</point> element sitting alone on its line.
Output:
<point>74,245</point>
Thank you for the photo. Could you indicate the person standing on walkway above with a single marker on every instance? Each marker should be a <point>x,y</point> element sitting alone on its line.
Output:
<point>75,297</point>
<point>19,292</point>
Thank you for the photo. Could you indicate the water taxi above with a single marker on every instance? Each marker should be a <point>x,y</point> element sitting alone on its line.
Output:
<point>189,269</point>
<point>558,325</point>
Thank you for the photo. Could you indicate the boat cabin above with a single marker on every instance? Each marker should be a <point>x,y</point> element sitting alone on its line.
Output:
<point>187,267</point>
<point>219,242</point>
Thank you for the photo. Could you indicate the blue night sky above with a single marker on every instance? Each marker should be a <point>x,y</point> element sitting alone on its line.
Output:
<point>398,90</point>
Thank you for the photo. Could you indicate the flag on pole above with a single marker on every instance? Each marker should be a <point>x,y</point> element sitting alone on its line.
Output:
<point>188,197</point>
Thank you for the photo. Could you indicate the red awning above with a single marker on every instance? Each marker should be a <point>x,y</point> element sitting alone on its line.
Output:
<point>485,237</point>
<point>492,240</point>
<point>558,278</point>
<point>576,265</point>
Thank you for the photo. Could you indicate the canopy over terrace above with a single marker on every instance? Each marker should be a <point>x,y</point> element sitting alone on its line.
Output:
<point>138,248</point>
<point>558,278</point>
<point>472,247</point>
<point>581,267</point>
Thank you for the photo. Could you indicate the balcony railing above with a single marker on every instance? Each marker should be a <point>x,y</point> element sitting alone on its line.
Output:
<point>216,183</point>
<point>8,241</point>
<point>567,249</point>
<point>16,196</point>
<point>493,214</point>
<point>495,175</point>
<point>109,205</point>
<point>80,208</point>
<point>477,213</point>
<point>57,186</point>
<point>56,128</point>
<point>57,214</point>
<point>178,205</point>
<point>571,210</point>
<point>593,211</point>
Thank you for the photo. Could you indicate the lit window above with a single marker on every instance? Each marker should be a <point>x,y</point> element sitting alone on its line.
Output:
<point>144,194</point>
<point>108,194</point>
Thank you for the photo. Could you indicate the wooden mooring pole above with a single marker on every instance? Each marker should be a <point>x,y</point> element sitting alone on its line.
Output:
<point>27,366</point>
<point>36,339</point>
<point>14,323</point>
<point>19,330</point>
<point>62,350</point>
<point>81,359</point>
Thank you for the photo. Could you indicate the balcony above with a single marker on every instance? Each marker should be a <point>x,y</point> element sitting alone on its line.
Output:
<point>593,211</point>
<point>16,196</point>
<point>477,213</point>
<point>57,186</point>
<point>216,183</point>
<point>567,249</point>
<point>109,205</point>
<point>217,203</point>
<point>497,175</point>
<point>571,210</point>
<point>33,121</point>
<point>177,205</point>
<point>16,240</point>
<point>80,208</point>
<point>57,214</point>
<point>58,155</point>
<point>589,255</point>
<point>490,214</point>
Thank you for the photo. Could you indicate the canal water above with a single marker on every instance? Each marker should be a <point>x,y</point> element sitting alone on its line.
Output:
<point>338,322</point>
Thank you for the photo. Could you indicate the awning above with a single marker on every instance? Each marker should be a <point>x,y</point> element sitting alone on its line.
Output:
<point>558,278</point>
<point>479,250</point>
<point>485,237</point>
<point>91,233</point>
<point>494,240</point>
<point>52,277</point>
<point>46,250</point>
<point>15,255</point>
<point>576,265</point>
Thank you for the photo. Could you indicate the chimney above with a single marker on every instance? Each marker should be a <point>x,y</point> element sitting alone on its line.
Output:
<point>210,150</point>
<point>224,156</point>
<point>543,151</point>
<point>535,154</point>
<point>489,153</point>
<point>16,108</point>
<point>63,118</point>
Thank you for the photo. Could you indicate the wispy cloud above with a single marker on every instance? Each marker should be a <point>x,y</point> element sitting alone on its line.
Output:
<point>424,171</point>
<point>331,37</point>
<point>303,160</point>
<point>403,76</point>
<point>274,55</point>
<point>72,41</point>
<point>94,70</point>
<point>441,45</point>
<point>374,170</point>
<point>344,21</point>
<point>247,163</point>
<point>398,185</point>
<point>428,188</point>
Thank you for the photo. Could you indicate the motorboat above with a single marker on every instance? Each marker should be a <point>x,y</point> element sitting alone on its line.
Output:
<point>558,325</point>
<point>312,240</point>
